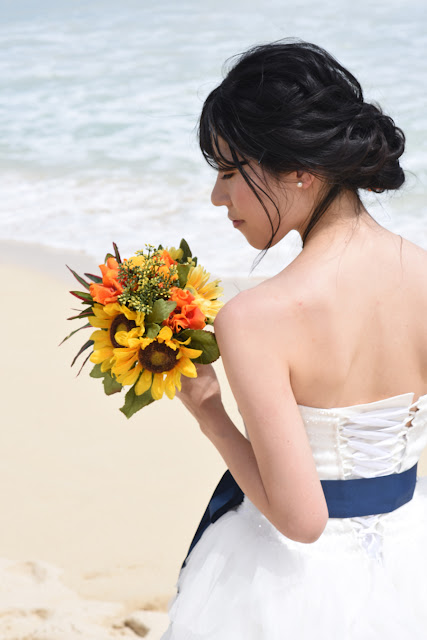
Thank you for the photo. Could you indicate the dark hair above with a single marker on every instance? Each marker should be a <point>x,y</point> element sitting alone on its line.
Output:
<point>290,105</point>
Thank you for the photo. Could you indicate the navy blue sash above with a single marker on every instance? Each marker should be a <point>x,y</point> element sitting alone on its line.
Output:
<point>345,498</point>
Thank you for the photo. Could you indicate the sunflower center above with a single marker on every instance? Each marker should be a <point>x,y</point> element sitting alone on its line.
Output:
<point>120,323</point>
<point>157,357</point>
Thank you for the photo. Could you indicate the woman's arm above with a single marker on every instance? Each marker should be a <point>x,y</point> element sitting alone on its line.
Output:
<point>276,469</point>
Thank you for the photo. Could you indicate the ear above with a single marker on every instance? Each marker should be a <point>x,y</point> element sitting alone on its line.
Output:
<point>305,177</point>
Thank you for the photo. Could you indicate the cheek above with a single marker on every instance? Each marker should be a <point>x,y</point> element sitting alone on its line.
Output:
<point>258,239</point>
<point>248,204</point>
<point>257,228</point>
<point>242,196</point>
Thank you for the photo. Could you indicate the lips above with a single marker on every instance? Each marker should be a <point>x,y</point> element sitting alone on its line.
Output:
<point>235,221</point>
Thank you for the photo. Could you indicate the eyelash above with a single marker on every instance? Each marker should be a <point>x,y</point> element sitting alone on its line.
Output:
<point>227,176</point>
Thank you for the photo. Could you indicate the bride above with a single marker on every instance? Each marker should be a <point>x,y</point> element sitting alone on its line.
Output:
<point>319,528</point>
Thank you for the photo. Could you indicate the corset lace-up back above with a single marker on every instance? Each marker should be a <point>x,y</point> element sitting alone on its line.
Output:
<point>366,441</point>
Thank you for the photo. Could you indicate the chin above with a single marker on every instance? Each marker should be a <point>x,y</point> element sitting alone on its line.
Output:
<point>260,246</point>
<point>277,238</point>
<point>257,243</point>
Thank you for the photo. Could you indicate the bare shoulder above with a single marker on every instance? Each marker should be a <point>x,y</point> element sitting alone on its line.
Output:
<point>414,262</point>
<point>277,301</point>
<point>415,251</point>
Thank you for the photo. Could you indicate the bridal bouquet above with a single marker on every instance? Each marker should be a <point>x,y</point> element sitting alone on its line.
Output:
<point>150,314</point>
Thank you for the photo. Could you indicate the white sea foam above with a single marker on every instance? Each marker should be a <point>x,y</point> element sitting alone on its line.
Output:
<point>99,104</point>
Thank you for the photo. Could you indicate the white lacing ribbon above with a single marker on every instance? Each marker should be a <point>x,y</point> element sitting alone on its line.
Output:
<point>377,441</point>
<point>370,535</point>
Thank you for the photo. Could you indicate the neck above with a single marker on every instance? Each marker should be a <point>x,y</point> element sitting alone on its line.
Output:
<point>345,216</point>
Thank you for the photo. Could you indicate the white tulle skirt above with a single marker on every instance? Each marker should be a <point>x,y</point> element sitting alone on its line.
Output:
<point>363,579</point>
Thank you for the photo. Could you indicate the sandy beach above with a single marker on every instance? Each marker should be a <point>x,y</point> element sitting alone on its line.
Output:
<point>97,511</point>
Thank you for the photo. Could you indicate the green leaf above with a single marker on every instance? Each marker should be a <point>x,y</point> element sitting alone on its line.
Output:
<point>204,340</point>
<point>94,278</point>
<point>117,254</point>
<point>160,311</point>
<point>86,297</point>
<point>73,332</point>
<point>183,270</point>
<point>110,384</point>
<point>83,314</point>
<point>108,255</point>
<point>78,278</point>
<point>96,372</point>
<point>134,403</point>
<point>84,362</point>
<point>86,345</point>
<point>152,330</point>
<point>186,249</point>
<point>195,261</point>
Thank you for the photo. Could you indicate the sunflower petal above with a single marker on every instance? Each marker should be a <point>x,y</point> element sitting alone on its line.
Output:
<point>100,355</point>
<point>191,353</point>
<point>145,342</point>
<point>112,309</point>
<point>144,382</point>
<point>131,376</point>
<point>158,386</point>
<point>165,333</point>
<point>122,367</point>
<point>100,323</point>
<point>170,384</point>
<point>177,379</point>
<point>122,353</point>
<point>100,337</point>
<point>128,338</point>
<point>187,367</point>
<point>106,365</point>
<point>99,312</point>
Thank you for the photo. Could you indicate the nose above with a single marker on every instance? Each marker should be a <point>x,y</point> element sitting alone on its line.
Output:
<point>219,195</point>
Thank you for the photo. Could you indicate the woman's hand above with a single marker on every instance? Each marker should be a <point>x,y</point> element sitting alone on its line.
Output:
<point>202,394</point>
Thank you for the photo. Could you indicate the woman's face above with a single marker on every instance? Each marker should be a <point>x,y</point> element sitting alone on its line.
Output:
<point>244,209</point>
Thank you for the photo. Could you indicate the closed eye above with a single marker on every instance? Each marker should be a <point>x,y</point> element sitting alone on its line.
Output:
<point>230,174</point>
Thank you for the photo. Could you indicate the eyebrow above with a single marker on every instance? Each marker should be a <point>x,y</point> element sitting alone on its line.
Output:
<point>231,165</point>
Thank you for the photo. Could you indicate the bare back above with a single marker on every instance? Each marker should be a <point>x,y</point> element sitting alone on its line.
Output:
<point>359,332</point>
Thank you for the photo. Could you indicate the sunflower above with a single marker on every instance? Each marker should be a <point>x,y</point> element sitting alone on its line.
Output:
<point>155,363</point>
<point>109,320</point>
<point>205,293</point>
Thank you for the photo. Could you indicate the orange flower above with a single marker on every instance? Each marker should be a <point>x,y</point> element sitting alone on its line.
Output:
<point>181,297</point>
<point>166,258</point>
<point>167,261</point>
<point>195,317</point>
<point>110,289</point>
<point>189,317</point>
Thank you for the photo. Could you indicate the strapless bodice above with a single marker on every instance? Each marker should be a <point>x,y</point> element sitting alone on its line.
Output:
<point>367,440</point>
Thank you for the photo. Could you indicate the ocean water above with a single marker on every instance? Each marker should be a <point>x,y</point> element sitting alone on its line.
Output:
<point>99,104</point>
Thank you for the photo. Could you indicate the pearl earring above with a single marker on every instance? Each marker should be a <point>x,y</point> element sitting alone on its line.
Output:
<point>299,184</point>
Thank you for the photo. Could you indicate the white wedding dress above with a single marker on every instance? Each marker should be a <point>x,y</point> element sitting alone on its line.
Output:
<point>365,578</point>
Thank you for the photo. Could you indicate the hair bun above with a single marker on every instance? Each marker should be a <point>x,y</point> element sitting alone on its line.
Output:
<point>376,145</point>
<point>290,105</point>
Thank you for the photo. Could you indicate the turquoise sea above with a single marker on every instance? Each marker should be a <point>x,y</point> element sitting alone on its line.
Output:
<point>99,104</point>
